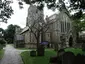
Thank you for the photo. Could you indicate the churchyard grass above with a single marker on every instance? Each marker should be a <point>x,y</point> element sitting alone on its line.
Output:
<point>27,59</point>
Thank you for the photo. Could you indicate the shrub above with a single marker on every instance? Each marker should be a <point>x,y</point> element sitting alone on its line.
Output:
<point>1,46</point>
<point>2,42</point>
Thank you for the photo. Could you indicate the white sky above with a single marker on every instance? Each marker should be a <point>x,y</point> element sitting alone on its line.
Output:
<point>19,16</point>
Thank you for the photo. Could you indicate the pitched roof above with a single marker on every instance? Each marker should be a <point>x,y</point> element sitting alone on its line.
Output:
<point>24,30</point>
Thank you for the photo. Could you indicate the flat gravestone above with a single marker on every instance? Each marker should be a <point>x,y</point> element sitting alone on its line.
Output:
<point>68,58</point>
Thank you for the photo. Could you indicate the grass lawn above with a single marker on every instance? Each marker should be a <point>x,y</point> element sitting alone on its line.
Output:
<point>37,60</point>
<point>48,53</point>
<point>1,53</point>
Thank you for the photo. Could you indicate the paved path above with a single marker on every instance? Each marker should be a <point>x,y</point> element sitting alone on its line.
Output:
<point>11,56</point>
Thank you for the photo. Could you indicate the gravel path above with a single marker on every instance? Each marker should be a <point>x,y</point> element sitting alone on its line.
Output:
<point>11,56</point>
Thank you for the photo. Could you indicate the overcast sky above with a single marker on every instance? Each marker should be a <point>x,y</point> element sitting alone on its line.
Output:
<point>19,16</point>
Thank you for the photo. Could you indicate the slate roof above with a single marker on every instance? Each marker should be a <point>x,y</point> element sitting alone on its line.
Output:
<point>24,30</point>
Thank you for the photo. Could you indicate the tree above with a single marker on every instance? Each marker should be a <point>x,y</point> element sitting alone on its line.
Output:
<point>79,25</point>
<point>74,5</point>
<point>38,28</point>
<point>6,10</point>
<point>9,33</point>
<point>2,30</point>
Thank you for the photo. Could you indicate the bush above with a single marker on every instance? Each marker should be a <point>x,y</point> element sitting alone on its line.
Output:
<point>1,46</point>
<point>2,42</point>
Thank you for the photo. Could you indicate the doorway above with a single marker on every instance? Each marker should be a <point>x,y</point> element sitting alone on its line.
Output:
<point>70,41</point>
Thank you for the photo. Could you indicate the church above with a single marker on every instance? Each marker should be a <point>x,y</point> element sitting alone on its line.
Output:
<point>60,34</point>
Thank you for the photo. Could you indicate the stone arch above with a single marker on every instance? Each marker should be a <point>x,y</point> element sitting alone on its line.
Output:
<point>70,41</point>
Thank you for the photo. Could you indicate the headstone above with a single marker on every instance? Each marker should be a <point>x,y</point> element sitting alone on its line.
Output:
<point>79,59</point>
<point>68,58</point>
<point>40,50</point>
<point>60,52</point>
<point>33,53</point>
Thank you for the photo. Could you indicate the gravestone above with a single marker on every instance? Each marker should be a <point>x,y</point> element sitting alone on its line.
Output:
<point>68,58</point>
<point>57,59</point>
<point>33,53</point>
<point>41,50</point>
<point>79,59</point>
<point>60,52</point>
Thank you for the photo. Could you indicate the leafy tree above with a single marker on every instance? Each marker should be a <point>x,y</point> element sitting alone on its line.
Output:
<point>37,26</point>
<point>79,25</point>
<point>2,30</point>
<point>5,10</point>
<point>74,5</point>
<point>9,33</point>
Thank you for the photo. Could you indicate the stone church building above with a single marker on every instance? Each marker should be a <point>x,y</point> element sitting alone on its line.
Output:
<point>33,16</point>
<point>60,33</point>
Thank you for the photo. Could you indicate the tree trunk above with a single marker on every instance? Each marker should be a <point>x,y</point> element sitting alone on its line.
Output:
<point>40,48</point>
<point>56,47</point>
<point>42,37</point>
<point>77,37</point>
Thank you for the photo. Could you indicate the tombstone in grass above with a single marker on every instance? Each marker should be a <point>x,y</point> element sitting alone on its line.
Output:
<point>57,59</point>
<point>41,48</point>
<point>60,52</point>
<point>33,53</point>
<point>79,59</point>
<point>68,58</point>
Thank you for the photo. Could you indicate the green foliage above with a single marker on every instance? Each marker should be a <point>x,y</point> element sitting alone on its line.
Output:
<point>2,42</point>
<point>78,5</point>
<point>1,46</point>
<point>79,24</point>
<point>2,30</point>
<point>9,33</point>
<point>77,15</point>
<point>38,59</point>
<point>6,10</point>
<point>41,3</point>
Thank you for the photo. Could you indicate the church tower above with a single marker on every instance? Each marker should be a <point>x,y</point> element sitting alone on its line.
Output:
<point>33,15</point>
